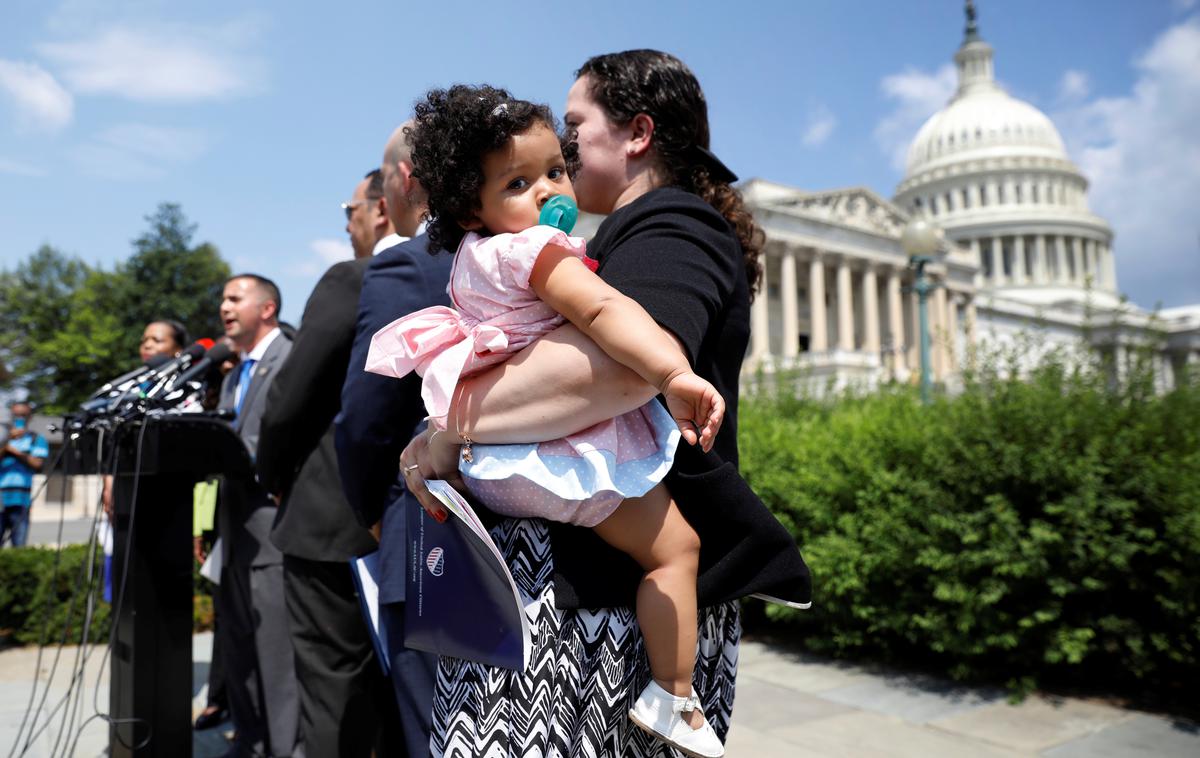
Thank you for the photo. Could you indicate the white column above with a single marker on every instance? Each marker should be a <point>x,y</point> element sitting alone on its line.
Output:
<point>896,321</point>
<point>845,306</point>
<point>1060,258</point>
<point>997,261</point>
<point>1110,268</point>
<point>914,347</point>
<point>1089,253</point>
<point>952,333</point>
<point>760,321</point>
<point>1010,190</point>
<point>1020,275</point>
<point>976,253</point>
<point>974,194</point>
<point>972,317</point>
<point>1041,266</point>
<point>870,297</point>
<point>937,330</point>
<point>818,339</point>
<point>1077,257</point>
<point>993,192</point>
<point>791,306</point>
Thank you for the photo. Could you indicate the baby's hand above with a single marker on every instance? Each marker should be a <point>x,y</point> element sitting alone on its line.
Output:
<point>697,407</point>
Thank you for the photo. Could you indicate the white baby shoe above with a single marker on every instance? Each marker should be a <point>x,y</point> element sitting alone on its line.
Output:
<point>658,712</point>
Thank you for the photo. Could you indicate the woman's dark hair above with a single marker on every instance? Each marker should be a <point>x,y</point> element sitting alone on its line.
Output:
<point>452,132</point>
<point>661,86</point>
<point>178,330</point>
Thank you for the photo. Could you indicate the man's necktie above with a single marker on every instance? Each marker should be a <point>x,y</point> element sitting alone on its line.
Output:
<point>245,375</point>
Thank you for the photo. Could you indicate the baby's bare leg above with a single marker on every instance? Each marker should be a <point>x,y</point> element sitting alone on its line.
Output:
<point>652,531</point>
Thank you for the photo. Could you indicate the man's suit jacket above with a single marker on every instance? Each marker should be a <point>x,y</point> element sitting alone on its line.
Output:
<point>296,455</point>
<point>246,511</point>
<point>380,414</point>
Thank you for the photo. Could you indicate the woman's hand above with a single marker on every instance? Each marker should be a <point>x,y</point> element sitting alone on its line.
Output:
<point>430,455</point>
<point>697,408</point>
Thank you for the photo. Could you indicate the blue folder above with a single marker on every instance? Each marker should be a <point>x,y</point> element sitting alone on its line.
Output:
<point>461,600</point>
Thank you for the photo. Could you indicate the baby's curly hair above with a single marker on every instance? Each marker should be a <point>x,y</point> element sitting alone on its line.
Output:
<point>454,129</point>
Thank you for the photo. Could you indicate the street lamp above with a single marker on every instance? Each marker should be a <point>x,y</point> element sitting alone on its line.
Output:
<point>921,240</point>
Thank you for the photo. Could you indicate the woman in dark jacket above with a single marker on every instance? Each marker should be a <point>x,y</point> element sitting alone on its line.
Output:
<point>678,241</point>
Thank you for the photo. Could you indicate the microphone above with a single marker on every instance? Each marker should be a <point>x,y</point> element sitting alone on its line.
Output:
<point>138,375</point>
<point>218,354</point>
<point>174,367</point>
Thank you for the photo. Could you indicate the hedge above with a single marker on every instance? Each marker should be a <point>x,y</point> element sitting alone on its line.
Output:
<point>1032,529</point>
<point>29,586</point>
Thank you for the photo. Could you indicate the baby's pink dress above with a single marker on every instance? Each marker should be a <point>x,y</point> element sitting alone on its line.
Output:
<point>579,479</point>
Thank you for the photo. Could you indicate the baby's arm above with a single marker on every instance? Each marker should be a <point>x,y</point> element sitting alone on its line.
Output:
<point>624,330</point>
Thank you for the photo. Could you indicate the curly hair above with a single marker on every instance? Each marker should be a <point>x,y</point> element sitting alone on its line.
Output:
<point>453,131</point>
<point>664,88</point>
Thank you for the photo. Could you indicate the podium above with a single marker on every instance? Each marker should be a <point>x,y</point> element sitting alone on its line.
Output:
<point>158,462</point>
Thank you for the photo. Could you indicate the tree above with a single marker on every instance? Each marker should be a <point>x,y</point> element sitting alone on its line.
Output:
<point>65,327</point>
<point>35,302</point>
<point>167,278</point>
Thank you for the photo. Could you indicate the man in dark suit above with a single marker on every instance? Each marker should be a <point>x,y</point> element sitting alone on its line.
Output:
<point>379,416</point>
<point>255,642</point>
<point>346,703</point>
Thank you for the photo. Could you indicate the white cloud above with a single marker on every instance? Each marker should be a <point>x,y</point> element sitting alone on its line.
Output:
<point>1141,152</point>
<point>40,101</point>
<point>19,168</point>
<point>328,252</point>
<point>332,251</point>
<point>917,95</point>
<point>133,152</point>
<point>1074,85</point>
<point>821,123</point>
<point>160,63</point>
<point>1183,5</point>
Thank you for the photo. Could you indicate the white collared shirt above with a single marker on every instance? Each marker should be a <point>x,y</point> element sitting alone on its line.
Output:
<point>256,354</point>
<point>391,240</point>
<point>259,350</point>
<point>394,239</point>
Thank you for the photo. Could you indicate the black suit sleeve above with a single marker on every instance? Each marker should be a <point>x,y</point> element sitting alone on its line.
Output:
<point>379,413</point>
<point>304,398</point>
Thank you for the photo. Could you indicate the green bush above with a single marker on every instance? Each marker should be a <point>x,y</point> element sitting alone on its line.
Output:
<point>27,592</point>
<point>30,589</point>
<point>1032,529</point>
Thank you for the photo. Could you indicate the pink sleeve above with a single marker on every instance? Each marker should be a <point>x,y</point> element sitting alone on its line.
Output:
<point>521,252</point>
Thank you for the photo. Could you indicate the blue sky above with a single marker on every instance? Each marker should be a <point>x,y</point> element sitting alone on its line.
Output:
<point>259,117</point>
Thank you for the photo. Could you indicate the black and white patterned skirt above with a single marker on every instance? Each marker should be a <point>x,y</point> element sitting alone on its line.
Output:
<point>587,669</point>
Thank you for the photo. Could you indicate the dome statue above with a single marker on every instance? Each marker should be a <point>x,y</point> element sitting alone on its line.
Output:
<point>993,172</point>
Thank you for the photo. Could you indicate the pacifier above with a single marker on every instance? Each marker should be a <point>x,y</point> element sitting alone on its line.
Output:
<point>560,212</point>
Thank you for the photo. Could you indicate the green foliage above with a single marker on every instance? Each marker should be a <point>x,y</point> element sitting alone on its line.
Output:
<point>35,600</point>
<point>66,327</point>
<point>30,587</point>
<point>1028,528</point>
<point>168,278</point>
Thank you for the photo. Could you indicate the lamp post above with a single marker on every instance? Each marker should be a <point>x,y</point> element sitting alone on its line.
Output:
<point>921,240</point>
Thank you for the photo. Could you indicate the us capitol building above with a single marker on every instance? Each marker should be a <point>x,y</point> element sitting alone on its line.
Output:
<point>1023,255</point>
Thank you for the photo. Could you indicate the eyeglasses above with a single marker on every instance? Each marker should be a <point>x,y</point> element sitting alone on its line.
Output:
<point>350,207</point>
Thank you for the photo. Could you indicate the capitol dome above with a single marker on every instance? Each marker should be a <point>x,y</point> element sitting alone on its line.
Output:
<point>993,172</point>
<point>983,124</point>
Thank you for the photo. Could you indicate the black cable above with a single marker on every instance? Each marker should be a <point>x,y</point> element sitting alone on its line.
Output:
<point>116,615</point>
<point>84,651</point>
<point>87,567</point>
<point>46,615</point>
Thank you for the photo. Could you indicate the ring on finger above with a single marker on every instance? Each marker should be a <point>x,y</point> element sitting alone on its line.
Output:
<point>412,468</point>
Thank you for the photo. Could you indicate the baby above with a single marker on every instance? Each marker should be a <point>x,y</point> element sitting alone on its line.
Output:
<point>490,163</point>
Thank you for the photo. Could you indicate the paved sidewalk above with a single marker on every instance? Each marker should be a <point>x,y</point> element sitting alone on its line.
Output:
<point>798,706</point>
<point>788,706</point>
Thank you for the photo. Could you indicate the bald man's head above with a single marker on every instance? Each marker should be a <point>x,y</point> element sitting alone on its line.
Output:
<point>397,148</point>
<point>405,196</point>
